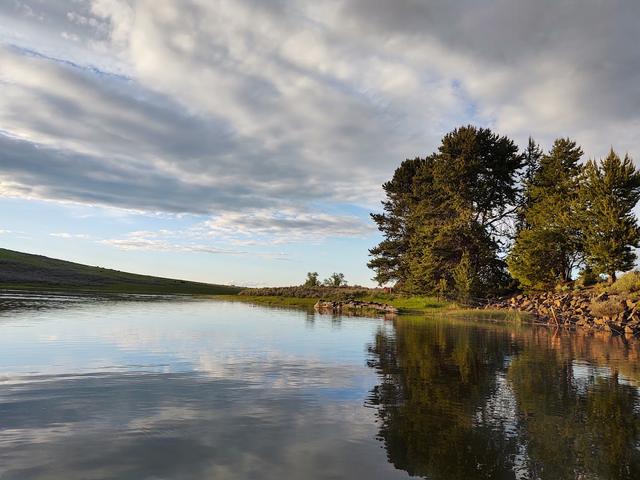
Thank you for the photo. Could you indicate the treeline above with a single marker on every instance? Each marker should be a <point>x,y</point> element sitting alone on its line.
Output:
<point>480,217</point>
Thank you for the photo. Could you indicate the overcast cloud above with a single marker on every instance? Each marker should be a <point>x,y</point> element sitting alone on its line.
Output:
<point>244,109</point>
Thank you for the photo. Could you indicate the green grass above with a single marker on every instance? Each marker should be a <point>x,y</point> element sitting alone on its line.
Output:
<point>23,271</point>
<point>270,300</point>
<point>412,303</point>
<point>417,304</point>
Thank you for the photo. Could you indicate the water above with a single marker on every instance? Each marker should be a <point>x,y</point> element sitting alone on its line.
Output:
<point>169,388</point>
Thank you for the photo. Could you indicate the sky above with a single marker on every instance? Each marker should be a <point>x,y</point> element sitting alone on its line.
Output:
<point>246,141</point>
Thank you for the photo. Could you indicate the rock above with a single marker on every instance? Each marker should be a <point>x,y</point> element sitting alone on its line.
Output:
<point>354,306</point>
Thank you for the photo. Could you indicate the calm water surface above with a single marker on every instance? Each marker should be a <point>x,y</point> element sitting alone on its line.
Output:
<point>191,389</point>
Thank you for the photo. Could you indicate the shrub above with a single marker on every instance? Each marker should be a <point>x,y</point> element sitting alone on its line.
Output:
<point>627,283</point>
<point>587,278</point>
<point>607,308</point>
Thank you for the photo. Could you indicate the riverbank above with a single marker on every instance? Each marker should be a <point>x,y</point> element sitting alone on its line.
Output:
<point>308,297</point>
<point>406,305</point>
<point>590,309</point>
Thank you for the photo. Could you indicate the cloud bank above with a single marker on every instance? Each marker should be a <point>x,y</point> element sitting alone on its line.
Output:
<point>260,114</point>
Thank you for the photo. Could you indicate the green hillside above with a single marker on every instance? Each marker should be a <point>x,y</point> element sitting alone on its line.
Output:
<point>36,272</point>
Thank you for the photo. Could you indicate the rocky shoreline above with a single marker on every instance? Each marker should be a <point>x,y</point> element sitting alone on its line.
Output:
<point>619,315</point>
<point>355,307</point>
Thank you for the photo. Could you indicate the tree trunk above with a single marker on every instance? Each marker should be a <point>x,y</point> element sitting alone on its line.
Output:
<point>612,277</point>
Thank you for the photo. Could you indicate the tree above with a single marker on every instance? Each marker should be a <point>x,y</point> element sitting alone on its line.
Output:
<point>459,199</point>
<point>532,156</point>
<point>389,257</point>
<point>549,246</point>
<point>610,191</point>
<point>464,278</point>
<point>312,280</point>
<point>335,280</point>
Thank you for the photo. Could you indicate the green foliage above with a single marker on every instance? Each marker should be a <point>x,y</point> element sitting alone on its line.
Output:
<point>389,257</point>
<point>532,156</point>
<point>609,193</point>
<point>587,277</point>
<point>537,258</point>
<point>312,280</point>
<point>542,215</point>
<point>549,245</point>
<point>437,208</point>
<point>335,280</point>
<point>464,279</point>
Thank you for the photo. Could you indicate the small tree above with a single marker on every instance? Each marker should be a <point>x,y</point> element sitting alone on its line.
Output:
<point>335,280</point>
<point>610,191</point>
<point>464,278</point>
<point>312,280</point>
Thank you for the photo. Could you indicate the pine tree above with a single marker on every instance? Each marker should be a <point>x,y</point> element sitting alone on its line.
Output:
<point>531,163</point>
<point>610,191</point>
<point>389,257</point>
<point>456,200</point>
<point>464,279</point>
<point>549,246</point>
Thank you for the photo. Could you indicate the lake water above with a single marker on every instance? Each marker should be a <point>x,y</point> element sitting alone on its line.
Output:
<point>193,389</point>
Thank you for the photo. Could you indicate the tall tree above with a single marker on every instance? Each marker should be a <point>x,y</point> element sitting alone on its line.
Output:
<point>456,200</point>
<point>610,191</point>
<point>389,257</point>
<point>549,247</point>
<point>531,160</point>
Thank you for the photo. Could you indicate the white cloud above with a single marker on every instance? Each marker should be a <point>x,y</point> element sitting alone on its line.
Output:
<point>284,226</point>
<point>80,236</point>
<point>164,241</point>
<point>242,108</point>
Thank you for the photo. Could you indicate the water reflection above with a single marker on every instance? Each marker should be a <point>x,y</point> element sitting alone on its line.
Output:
<point>185,390</point>
<point>461,400</point>
<point>189,389</point>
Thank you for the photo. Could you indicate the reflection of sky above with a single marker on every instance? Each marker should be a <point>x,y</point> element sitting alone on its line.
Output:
<point>185,389</point>
<point>177,336</point>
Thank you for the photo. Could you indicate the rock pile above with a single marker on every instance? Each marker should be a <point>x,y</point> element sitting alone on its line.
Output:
<point>616,314</point>
<point>354,306</point>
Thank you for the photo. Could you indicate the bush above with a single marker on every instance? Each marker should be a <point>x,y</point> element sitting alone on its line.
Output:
<point>627,283</point>
<point>563,287</point>
<point>587,278</point>
<point>607,308</point>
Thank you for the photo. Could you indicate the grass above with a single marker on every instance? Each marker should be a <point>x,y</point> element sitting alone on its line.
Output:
<point>406,305</point>
<point>627,283</point>
<point>409,306</point>
<point>23,271</point>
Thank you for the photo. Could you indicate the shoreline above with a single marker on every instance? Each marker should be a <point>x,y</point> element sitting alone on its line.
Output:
<point>407,306</point>
<point>587,310</point>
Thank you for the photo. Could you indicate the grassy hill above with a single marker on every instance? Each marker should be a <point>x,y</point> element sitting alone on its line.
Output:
<point>36,272</point>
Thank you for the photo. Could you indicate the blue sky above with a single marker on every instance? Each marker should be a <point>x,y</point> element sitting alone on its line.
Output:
<point>246,141</point>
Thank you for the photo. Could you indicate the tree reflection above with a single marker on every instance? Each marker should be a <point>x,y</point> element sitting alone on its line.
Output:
<point>467,401</point>
<point>584,427</point>
<point>435,380</point>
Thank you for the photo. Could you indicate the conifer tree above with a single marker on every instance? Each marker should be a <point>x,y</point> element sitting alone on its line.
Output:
<point>390,256</point>
<point>610,191</point>
<point>531,163</point>
<point>453,201</point>
<point>549,246</point>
